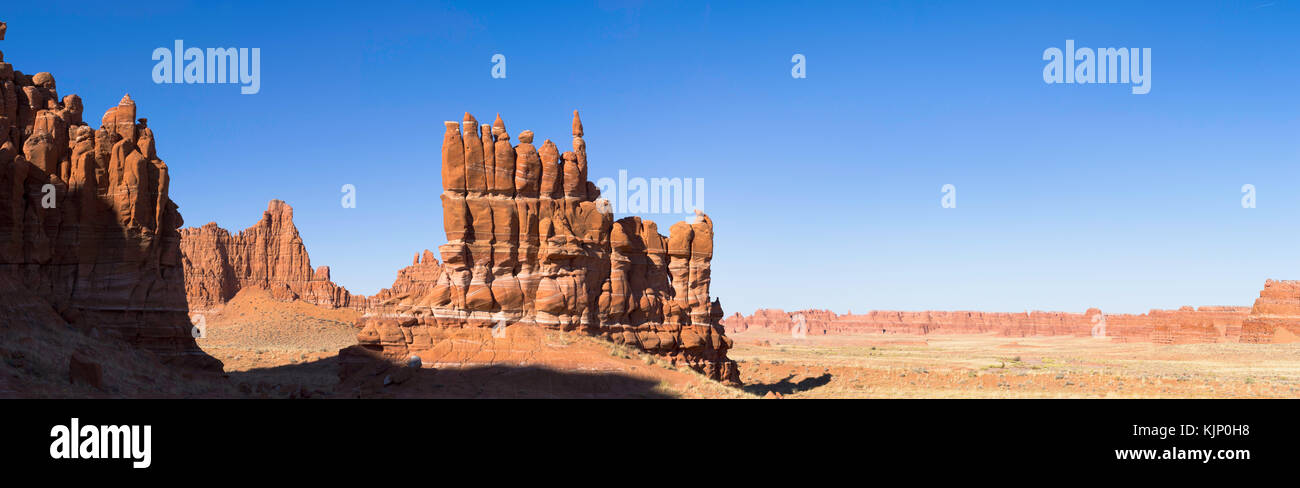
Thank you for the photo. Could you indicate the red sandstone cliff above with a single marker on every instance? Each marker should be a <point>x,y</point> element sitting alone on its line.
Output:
<point>1185,325</point>
<point>86,223</point>
<point>1276,314</point>
<point>530,243</point>
<point>269,255</point>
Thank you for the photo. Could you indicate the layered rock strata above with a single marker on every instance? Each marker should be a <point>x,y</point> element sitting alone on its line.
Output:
<point>1185,325</point>
<point>1276,314</point>
<point>269,255</point>
<point>86,223</point>
<point>531,242</point>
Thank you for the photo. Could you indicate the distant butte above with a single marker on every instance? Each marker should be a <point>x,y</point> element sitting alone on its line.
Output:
<point>270,255</point>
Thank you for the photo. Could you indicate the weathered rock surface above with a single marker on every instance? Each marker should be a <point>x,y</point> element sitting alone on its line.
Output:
<point>417,279</point>
<point>86,223</point>
<point>1185,325</point>
<point>269,255</point>
<point>1275,318</point>
<point>530,242</point>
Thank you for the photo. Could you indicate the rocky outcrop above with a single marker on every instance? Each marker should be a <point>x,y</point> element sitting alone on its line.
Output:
<point>531,242</point>
<point>1185,325</point>
<point>1275,318</point>
<point>270,255</point>
<point>417,279</point>
<point>86,223</point>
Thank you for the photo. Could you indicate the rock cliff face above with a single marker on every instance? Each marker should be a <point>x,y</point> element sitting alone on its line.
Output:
<point>269,255</point>
<point>530,242</point>
<point>1185,325</point>
<point>1276,314</point>
<point>86,223</point>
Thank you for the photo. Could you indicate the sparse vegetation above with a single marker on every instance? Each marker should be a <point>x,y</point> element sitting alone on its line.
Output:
<point>940,366</point>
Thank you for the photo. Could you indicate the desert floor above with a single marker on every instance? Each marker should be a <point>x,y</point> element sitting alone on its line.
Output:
<point>278,349</point>
<point>290,349</point>
<point>990,366</point>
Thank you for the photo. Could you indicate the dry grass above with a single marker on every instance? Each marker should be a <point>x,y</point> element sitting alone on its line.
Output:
<point>988,366</point>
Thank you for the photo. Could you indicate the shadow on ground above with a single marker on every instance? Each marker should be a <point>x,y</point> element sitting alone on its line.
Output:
<point>786,387</point>
<point>382,379</point>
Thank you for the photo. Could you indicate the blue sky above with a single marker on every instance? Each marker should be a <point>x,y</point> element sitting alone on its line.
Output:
<point>825,191</point>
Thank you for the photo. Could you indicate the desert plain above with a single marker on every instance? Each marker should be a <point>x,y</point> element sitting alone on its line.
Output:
<point>994,366</point>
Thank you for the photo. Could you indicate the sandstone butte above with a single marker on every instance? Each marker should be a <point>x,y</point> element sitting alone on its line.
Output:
<point>529,242</point>
<point>1276,314</point>
<point>269,255</point>
<point>1274,318</point>
<point>86,225</point>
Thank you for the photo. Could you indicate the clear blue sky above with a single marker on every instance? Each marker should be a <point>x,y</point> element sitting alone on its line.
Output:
<point>825,191</point>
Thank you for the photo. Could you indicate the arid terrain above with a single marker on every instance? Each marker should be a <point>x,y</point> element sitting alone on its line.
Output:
<point>278,349</point>
<point>992,366</point>
<point>540,292</point>
<point>290,349</point>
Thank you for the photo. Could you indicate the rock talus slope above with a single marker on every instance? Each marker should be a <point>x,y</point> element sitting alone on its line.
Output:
<point>529,241</point>
<point>86,223</point>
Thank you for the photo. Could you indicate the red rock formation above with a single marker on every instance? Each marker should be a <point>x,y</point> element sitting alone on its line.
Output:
<point>417,279</point>
<point>1276,314</point>
<point>528,243</point>
<point>1185,325</point>
<point>86,223</point>
<point>269,255</point>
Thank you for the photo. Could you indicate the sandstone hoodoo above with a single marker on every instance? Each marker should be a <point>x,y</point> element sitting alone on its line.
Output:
<point>86,223</point>
<point>530,242</point>
<point>269,255</point>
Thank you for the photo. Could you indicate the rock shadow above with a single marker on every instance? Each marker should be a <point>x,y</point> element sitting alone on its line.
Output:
<point>786,387</point>
<point>382,379</point>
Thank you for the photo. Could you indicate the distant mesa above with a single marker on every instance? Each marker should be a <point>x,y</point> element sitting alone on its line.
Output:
<point>1274,318</point>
